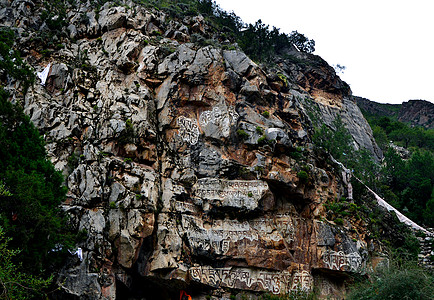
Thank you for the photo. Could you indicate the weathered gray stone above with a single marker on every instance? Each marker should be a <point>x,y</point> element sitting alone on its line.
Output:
<point>238,61</point>
<point>112,18</point>
<point>278,135</point>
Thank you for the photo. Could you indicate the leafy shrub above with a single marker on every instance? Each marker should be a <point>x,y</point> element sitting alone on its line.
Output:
<point>283,78</point>
<point>303,176</point>
<point>128,134</point>
<point>400,282</point>
<point>37,224</point>
<point>262,140</point>
<point>339,221</point>
<point>266,114</point>
<point>242,134</point>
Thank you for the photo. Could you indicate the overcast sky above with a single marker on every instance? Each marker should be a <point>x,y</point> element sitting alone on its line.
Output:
<point>387,46</point>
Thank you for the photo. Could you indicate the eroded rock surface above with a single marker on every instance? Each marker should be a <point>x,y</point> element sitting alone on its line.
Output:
<point>182,161</point>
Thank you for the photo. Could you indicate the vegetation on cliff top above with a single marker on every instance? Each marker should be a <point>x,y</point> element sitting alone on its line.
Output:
<point>258,41</point>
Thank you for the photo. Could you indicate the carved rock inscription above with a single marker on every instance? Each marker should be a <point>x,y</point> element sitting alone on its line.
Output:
<point>219,117</point>
<point>342,262</point>
<point>302,281</point>
<point>243,194</point>
<point>188,130</point>
<point>224,234</point>
<point>249,279</point>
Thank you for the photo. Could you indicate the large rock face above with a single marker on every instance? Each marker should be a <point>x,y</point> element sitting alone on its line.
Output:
<point>418,113</point>
<point>325,96</point>
<point>184,163</point>
<point>415,112</point>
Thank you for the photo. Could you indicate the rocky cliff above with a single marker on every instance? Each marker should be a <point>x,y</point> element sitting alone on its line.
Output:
<point>417,112</point>
<point>414,112</point>
<point>190,167</point>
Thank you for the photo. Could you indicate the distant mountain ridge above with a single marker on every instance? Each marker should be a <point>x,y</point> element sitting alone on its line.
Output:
<point>415,112</point>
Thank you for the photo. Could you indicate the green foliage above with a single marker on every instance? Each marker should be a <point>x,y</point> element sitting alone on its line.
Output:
<point>409,184</point>
<point>406,184</point>
<point>313,111</point>
<point>266,114</point>
<point>128,134</point>
<point>4,190</point>
<point>257,40</point>
<point>387,129</point>
<point>336,210</point>
<point>399,282</point>
<point>302,42</point>
<point>297,153</point>
<point>14,284</point>
<point>337,141</point>
<point>30,215</point>
<point>262,43</point>
<point>262,140</point>
<point>54,14</point>
<point>303,176</point>
<point>283,78</point>
<point>242,134</point>
<point>11,63</point>
<point>29,212</point>
<point>339,221</point>
<point>259,130</point>
<point>365,167</point>
<point>380,136</point>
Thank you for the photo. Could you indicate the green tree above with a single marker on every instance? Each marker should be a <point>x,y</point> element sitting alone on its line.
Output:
<point>302,42</point>
<point>256,42</point>
<point>29,212</point>
<point>428,213</point>
<point>380,137</point>
<point>408,184</point>
<point>14,284</point>
<point>11,63</point>
<point>336,140</point>
<point>366,168</point>
<point>31,216</point>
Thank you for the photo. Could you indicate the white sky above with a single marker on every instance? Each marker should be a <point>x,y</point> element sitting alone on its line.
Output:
<point>387,46</point>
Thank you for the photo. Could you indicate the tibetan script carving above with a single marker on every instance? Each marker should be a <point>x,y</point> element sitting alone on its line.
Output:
<point>188,130</point>
<point>249,279</point>
<point>341,261</point>
<point>219,118</point>
<point>233,193</point>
